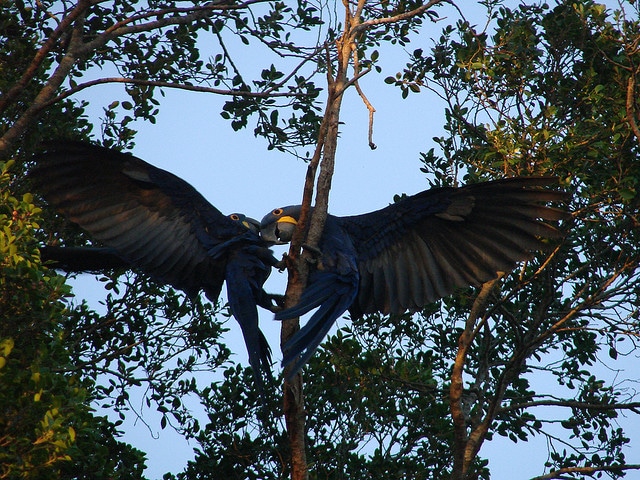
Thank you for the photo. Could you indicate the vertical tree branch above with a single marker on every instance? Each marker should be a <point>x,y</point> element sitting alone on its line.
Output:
<point>293,395</point>
<point>631,106</point>
<point>298,263</point>
<point>293,399</point>
<point>461,453</point>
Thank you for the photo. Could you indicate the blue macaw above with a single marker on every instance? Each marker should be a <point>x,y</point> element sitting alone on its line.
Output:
<point>151,220</point>
<point>415,251</point>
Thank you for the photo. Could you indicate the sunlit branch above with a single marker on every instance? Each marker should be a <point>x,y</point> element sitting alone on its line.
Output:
<point>466,446</point>
<point>363,97</point>
<point>633,406</point>
<point>631,108</point>
<point>396,18</point>
<point>560,473</point>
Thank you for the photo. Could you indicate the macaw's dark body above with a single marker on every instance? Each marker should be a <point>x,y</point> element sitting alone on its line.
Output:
<point>153,221</point>
<point>415,251</point>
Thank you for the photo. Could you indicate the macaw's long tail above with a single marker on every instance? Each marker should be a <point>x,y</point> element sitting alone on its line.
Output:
<point>258,349</point>
<point>242,292</point>
<point>255,341</point>
<point>334,294</point>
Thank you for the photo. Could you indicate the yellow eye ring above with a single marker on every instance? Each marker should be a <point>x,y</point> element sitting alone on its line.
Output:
<point>235,217</point>
<point>277,211</point>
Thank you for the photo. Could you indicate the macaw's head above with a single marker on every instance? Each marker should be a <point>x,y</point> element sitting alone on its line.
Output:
<point>278,226</point>
<point>248,222</point>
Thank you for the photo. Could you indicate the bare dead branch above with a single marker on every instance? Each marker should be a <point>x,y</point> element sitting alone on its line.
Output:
<point>363,97</point>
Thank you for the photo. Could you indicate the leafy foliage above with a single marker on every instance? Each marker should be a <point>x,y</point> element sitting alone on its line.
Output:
<point>47,428</point>
<point>148,46</point>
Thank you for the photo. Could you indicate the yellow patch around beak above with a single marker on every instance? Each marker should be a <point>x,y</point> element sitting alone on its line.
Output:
<point>287,219</point>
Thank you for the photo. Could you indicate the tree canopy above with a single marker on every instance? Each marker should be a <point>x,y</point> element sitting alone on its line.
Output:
<point>529,88</point>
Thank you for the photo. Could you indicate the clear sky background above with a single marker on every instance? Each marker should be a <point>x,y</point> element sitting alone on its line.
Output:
<point>236,173</point>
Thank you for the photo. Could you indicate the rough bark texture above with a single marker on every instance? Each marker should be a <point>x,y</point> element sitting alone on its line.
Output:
<point>462,446</point>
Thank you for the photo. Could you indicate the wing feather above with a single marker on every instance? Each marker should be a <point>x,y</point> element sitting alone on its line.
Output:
<point>156,222</point>
<point>419,276</point>
<point>424,246</point>
<point>402,272</point>
<point>154,219</point>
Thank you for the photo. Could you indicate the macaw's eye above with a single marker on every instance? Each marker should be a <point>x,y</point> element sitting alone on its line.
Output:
<point>235,217</point>
<point>277,211</point>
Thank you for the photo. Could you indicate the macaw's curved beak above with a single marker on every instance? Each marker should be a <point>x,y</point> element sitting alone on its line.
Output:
<point>280,231</point>
<point>251,224</point>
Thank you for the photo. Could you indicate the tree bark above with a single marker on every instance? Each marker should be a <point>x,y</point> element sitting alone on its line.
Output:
<point>463,449</point>
<point>298,264</point>
<point>309,232</point>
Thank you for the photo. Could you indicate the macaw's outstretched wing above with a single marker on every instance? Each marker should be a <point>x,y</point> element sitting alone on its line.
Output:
<point>158,223</point>
<point>155,220</point>
<point>413,252</point>
<point>421,248</point>
<point>82,259</point>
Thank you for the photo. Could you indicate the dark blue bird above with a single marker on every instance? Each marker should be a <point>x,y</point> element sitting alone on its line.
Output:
<point>151,220</point>
<point>415,251</point>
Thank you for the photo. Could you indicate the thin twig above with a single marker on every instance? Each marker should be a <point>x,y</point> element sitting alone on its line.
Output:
<point>365,100</point>
<point>178,86</point>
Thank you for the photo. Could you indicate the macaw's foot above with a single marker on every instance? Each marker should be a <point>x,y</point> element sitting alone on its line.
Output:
<point>282,264</point>
<point>274,302</point>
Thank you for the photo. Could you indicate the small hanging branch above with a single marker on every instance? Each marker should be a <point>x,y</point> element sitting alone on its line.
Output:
<point>365,100</point>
